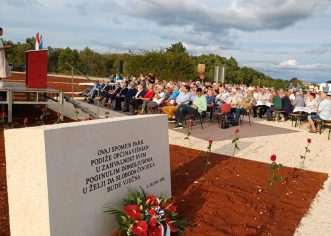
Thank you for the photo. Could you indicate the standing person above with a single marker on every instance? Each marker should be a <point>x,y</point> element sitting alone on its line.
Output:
<point>4,67</point>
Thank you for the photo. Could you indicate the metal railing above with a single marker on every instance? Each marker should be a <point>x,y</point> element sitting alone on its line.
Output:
<point>71,100</point>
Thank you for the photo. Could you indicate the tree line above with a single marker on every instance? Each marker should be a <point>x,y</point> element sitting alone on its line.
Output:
<point>173,63</point>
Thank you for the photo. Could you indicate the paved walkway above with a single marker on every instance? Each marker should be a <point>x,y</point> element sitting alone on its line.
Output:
<point>258,142</point>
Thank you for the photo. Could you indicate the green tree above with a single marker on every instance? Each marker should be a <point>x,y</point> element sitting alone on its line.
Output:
<point>53,59</point>
<point>68,56</point>
<point>177,48</point>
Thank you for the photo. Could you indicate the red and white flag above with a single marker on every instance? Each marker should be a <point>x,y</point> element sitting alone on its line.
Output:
<point>37,47</point>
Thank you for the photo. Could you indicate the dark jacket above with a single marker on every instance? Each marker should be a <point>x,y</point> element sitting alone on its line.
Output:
<point>131,93</point>
<point>286,105</point>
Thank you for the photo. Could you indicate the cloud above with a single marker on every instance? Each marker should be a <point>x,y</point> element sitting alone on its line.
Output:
<point>24,3</point>
<point>240,14</point>
<point>81,7</point>
<point>291,68</point>
<point>318,51</point>
<point>290,64</point>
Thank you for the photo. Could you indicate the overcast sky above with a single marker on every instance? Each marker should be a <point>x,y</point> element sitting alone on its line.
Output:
<point>282,38</point>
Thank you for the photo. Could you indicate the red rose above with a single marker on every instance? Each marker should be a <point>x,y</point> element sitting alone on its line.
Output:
<point>133,211</point>
<point>189,123</point>
<point>58,114</point>
<point>273,157</point>
<point>43,110</point>
<point>152,222</point>
<point>155,231</point>
<point>140,228</point>
<point>210,141</point>
<point>26,120</point>
<point>75,106</point>
<point>151,200</point>
<point>309,140</point>
<point>236,131</point>
<point>107,113</point>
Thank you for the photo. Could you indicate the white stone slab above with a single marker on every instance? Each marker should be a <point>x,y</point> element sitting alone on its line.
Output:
<point>53,171</point>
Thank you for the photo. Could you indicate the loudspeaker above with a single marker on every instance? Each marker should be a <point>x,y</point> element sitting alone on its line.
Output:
<point>120,66</point>
<point>219,75</point>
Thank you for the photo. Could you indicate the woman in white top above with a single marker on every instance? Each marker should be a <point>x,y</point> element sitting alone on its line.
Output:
<point>4,67</point>
<point>311,102</point>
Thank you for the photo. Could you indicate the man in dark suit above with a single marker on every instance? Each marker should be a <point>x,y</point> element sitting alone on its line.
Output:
<point>112,94</point>
<point>137,99</point>
<point>120,96</point>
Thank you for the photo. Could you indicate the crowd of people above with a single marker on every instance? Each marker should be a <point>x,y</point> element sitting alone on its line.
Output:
<point>178,99</point>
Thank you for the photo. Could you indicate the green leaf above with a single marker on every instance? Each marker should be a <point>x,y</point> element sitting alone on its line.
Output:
<point>278,178</point>
<point>270,182</point>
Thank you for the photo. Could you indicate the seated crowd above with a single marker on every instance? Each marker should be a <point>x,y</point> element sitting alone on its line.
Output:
<point>179,99</point>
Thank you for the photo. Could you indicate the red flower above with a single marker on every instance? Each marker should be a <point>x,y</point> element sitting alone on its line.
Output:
<point>43,110</point>
<point>75,106</point>
<point>58,114</point>
<point>273,157</point>
<point>309,140</point>
<point>26,120</point>
<point>172,228</point>
<point>133,211</point>
<point>152,222</point>
<point>210,141</point>
<point>151,200</point>
<point>152,212</point>
<point>236,131</point>
<point>189,123</point>
<point>155,231</point>
<point>107,113</point>
<point>140,228</point>
<point>170,207</point>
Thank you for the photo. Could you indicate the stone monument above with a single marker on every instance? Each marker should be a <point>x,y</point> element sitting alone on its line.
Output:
<point>60,177</point>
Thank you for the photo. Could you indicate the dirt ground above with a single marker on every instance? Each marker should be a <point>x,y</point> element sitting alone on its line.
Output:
<point>231,196</point>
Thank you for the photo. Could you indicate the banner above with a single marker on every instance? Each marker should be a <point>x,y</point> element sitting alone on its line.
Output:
<point>201,71</point>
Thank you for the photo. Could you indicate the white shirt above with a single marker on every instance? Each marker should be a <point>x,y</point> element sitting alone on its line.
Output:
<point>324,109</point>
<point>159,100</point>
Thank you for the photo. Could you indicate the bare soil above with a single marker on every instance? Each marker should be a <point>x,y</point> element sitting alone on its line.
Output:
<point>231,196</point>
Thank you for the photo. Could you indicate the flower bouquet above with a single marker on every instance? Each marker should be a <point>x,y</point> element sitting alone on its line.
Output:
<point>147,215</point>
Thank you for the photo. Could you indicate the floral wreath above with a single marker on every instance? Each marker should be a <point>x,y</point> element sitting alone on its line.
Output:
<point>147,215</point>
